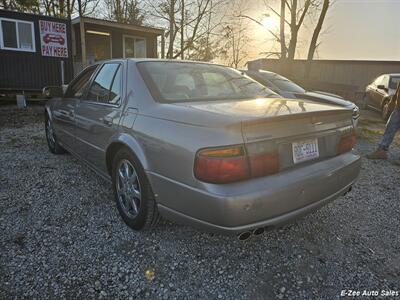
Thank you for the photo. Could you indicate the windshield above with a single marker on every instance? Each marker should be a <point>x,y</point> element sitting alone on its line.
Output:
<point>184,81</point>
<point>394,81</point>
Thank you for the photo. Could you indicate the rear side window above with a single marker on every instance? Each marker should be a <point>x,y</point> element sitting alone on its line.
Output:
<point>80,84</point>
<point>106,87</point>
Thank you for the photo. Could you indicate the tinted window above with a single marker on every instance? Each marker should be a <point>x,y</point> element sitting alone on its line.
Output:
<point>103,89</point>
<point>288,86</point>
<point>115,94</point>
<point>9,34</point>
<point>80,84</point>
<point>182,81</point>
<point>282,83</point>
<point>394,81</point>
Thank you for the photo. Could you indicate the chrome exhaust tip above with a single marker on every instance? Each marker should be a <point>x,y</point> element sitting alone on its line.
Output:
<point>348,191</point>
<point>244,235</point>
<point>258,231</point>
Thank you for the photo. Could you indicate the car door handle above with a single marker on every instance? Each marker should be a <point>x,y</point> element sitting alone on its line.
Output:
<point>107,121</point>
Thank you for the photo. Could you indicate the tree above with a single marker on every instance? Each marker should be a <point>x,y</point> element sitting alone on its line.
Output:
<point>125,11</point>
<point>317,30</point>
<point>235,35</point>
<point>189,20</point>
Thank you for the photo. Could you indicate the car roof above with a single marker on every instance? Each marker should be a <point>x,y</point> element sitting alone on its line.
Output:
<point>136,60</point>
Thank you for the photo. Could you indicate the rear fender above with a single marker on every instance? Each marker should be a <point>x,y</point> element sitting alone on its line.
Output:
<point>131,143</point>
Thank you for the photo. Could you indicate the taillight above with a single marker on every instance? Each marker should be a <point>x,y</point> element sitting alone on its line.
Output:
<point>264,164</point>
<point>346,143</point>
<point>230,164</point>
<point>221,165</point>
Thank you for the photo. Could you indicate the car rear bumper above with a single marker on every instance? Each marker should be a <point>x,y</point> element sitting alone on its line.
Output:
<point>267,201</point>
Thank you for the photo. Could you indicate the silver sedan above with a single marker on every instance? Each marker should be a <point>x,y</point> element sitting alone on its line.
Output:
<point>202,144</point>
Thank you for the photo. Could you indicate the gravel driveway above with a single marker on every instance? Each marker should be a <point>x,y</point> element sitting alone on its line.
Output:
<point>61,237</point>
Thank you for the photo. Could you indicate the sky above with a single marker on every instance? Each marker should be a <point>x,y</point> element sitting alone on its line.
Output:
<point>353,29</point>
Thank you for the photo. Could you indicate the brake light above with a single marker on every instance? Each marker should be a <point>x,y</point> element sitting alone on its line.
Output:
<point>346,143</point>
<point>264,164</point>
<point>221,165</point>
<point>230,164</point>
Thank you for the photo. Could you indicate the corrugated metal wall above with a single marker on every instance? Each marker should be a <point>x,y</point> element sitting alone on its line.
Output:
<point>352,73</point>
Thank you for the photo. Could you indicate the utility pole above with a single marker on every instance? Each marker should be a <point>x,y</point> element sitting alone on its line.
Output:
<point>82,31</point>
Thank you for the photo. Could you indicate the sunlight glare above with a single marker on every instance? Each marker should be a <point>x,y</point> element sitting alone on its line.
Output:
<point>268,22</point>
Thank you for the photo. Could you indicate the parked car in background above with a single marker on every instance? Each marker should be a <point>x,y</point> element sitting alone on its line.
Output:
<point>289,89</point>
<point>202,144</point>
<point>378,93</point>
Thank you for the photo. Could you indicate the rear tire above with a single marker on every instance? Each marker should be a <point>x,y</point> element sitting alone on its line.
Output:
<point>133,194</point>
<point>51,137</point>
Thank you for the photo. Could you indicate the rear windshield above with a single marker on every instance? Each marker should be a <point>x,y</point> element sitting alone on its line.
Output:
<point>283,83</point>
<point>185,81</point>
<point>394,81</point>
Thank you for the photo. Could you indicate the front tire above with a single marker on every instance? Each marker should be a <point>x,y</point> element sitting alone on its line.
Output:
<point>134,197</point>
<point>51,138</point>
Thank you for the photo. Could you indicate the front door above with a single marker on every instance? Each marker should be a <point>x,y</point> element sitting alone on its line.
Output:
<point>97,115</point>
<point>64,111</point>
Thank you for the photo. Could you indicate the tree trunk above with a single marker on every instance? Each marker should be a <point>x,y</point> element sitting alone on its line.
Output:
<point>171,28</point>
<point>317,30</point>
<point>293,31</point>
<point>282,30</point>
<point>314,39</point>
<point>182,28</point>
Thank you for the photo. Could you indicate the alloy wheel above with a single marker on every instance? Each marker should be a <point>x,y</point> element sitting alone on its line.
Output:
<point>50,134</point>
<point>128,188</point>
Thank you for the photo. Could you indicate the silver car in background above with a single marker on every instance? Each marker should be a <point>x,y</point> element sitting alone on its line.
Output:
<point>202,144</point>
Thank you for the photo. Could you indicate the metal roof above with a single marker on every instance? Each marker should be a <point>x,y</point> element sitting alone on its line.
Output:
<point>148,29</point>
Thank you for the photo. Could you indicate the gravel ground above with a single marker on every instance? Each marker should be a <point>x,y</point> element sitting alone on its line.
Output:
<point>61,237</point>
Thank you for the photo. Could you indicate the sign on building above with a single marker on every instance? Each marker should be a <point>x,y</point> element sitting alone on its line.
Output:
<point>53,38</point>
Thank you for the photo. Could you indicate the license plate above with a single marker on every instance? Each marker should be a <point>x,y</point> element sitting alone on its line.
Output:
<point>305,150</point>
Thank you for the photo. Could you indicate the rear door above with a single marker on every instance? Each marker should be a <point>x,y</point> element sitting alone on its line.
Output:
<point>375,94</point>
<point>97,116</point>
<point>64,111</point>
<point>382,93</point>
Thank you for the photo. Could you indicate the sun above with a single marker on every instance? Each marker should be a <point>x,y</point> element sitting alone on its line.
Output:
<point>268,22</point>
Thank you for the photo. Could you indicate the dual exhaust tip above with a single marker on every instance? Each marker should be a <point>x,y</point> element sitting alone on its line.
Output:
<point>248,234</point>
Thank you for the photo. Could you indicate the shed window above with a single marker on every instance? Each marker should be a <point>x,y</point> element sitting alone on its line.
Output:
<point>17,35</point>
<point>134,47</point>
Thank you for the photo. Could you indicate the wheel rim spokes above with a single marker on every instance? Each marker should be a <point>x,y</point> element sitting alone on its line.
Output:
<point>50,132</point>
<point>128,188</point>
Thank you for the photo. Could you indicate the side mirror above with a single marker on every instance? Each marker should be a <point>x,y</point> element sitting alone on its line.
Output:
<point>381,87</point>
<point>52,91</point>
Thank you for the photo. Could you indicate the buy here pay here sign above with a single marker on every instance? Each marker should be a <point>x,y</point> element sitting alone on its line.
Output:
<point>53,38</point>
